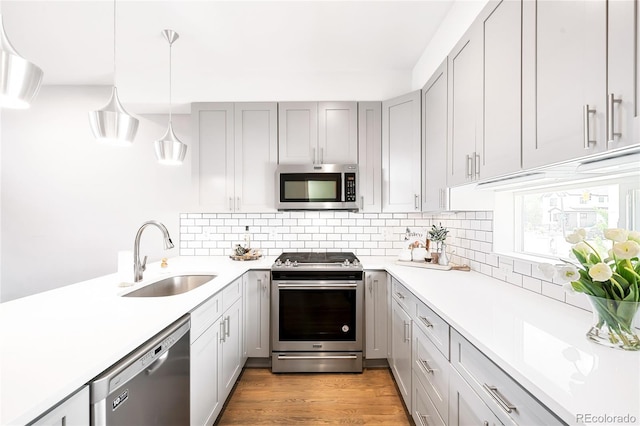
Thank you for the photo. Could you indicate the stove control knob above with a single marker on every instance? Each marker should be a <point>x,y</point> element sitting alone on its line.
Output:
<point>346,262</point>
<point>287,262</point>
<point>295,263</point>
<point>278,262</point>
<point>355,262</point>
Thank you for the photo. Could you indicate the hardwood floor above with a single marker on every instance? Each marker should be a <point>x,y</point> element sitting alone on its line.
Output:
<point>263,398</point>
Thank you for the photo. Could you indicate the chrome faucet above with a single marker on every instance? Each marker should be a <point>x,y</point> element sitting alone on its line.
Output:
<point>139,267</point>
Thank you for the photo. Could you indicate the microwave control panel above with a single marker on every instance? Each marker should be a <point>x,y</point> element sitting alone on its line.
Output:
<point>350,186</point>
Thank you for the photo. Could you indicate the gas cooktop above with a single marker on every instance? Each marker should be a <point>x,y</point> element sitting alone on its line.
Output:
<point>317,260</point>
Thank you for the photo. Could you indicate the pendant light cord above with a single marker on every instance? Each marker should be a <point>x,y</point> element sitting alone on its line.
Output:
<point>114,43</point>
<point>170,88</point>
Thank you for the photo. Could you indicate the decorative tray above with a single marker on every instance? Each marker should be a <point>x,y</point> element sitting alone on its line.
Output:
<point>246,256</point>
<point>426,265</point>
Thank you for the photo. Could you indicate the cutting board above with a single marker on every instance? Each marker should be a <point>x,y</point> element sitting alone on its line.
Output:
<point>425,265</point>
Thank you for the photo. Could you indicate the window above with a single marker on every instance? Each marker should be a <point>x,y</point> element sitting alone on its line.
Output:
<point>543,217</point>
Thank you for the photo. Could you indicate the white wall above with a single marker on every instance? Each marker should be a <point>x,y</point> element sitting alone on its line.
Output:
<point>69,204</point>
<point>456,23</point>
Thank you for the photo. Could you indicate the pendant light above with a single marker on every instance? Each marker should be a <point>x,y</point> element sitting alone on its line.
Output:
<point>169,149</point>
<point>112,124</point>
<point>19,78</point>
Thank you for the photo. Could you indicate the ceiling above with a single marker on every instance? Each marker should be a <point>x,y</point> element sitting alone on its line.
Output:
<point>227,50</point>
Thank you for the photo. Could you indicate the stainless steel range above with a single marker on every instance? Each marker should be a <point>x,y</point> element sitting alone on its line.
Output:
<point>317,312</point>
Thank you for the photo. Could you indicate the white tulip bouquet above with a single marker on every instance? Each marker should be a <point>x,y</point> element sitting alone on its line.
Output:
<point>612,282</point>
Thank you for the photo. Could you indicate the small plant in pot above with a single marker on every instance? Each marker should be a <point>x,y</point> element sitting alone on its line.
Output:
<point>438,234</point>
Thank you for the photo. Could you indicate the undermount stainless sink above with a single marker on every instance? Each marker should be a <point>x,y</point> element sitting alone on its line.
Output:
<point>171,286</point>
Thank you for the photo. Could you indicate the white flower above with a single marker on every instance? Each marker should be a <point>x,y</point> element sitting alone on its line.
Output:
<point>577,236</point>
<point>600,272</point>
<point>634,236</point>
<point>568,288</point>
<point>548,270</point>
<point>618,235</point>
<point>582,248</point>
<point>626,250</point>
<point>567,273</point>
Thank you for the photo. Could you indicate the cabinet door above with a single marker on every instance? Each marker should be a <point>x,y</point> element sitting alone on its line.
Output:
<point>72,412</point>
<point>370,156</point>
<point>623,117</point>
<point>257,314</point>
<point>214,154</point>
<point>500,150</point>
<point>401,350</point>
<point>465,106</point>
<point>297,132</point>
<point>230,355</point>
<point>337,132</point>
<point>256,156</point>
<point>205,393</point>
<point>434,142</point>
<point>465,407</point>
<point>401,153</point>
<point>564,43</point>
<point>376,313</point>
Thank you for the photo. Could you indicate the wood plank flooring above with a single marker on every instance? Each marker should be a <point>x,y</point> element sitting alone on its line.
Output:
<point>263,398</point>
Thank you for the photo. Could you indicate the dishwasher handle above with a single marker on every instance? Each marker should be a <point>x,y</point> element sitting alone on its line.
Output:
<point>141,359</point>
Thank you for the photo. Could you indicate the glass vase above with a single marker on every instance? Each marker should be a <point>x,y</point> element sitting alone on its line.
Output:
<point>614,323</point>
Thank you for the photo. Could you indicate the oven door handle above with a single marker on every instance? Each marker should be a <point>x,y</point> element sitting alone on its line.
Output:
<point>284,357</point>
<point>321,285</point>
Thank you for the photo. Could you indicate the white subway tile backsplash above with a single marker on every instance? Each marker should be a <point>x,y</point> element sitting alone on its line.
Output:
<point>470,240</point>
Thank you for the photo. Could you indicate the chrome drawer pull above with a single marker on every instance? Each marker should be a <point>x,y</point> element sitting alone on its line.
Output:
<point>400,295</point>
<point>426,321</point>
<point>304,357</point>
<point>499,398</point>
<point>426,366</point>
<point>423,418</point>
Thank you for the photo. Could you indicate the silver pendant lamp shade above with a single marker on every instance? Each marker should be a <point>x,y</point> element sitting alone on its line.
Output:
<point>112,124</point>
<point>169,149</point>
<point>19,78</point>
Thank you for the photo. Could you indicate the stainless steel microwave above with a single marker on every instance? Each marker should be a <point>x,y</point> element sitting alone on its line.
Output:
<point>317,187</point>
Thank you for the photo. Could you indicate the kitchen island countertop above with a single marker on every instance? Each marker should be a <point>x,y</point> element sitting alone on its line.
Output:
<point>54,342</point>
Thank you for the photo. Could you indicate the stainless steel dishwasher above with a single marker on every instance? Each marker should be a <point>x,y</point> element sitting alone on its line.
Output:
<point>148,387</point>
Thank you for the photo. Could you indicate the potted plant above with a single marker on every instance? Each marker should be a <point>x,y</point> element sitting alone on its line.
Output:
<point>438,234</point>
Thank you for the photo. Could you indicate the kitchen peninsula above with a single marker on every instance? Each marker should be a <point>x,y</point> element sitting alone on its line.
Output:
<point>55,342</point>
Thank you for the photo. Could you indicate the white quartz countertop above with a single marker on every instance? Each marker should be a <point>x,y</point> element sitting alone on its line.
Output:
<point>54,342</point>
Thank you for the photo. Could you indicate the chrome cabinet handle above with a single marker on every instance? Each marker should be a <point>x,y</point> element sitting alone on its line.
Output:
<point>611,133</point>
<point>400,295</point>
<point>227,326</point>
<point>321,155</point>
<point>426,321</point>
<point>222,338</point>
<point>587,139</point>
<point>370,285</point>
<point>469,166</point>
<point>407,336</point>
<point>230,204</point>
<point>499,398</point>
<point>423,418</point>
<point>237,203</point>
<point>416,201</point>
<point>426,366</point>
<point>361,202</point>
<point>477,164</point>
<point>313,156</point>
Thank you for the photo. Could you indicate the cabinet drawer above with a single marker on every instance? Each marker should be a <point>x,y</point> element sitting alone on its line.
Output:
<point>504,396</point>
<point>204,315</point>
<point>231,293</point>
<point>424,412</point>
<point>431,367</point>
<point>403,296</point>
<point>436,329</point>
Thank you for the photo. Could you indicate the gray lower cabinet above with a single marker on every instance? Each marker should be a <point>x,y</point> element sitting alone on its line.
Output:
<point>424,411</point>
<point>376,314</point>
<point>401,350</point>
<point>465,406</point>
<point>74,411</point>
<point>257,291</point>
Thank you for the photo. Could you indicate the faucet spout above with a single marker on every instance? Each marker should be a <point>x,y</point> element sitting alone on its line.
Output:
<point>140,266</point>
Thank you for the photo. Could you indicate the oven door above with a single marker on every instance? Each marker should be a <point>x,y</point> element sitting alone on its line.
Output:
<point>316,315</point>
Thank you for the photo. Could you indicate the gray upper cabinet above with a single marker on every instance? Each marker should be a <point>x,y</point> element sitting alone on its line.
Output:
<point>564,65</point>
<point>370,156</point>
<point>318,132</point>
<point>401,164</point>
<point>623,74</point>
<point>465,106</point>
<point>500,149</point>
<point>434,141</point>
<point>236,155</point>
